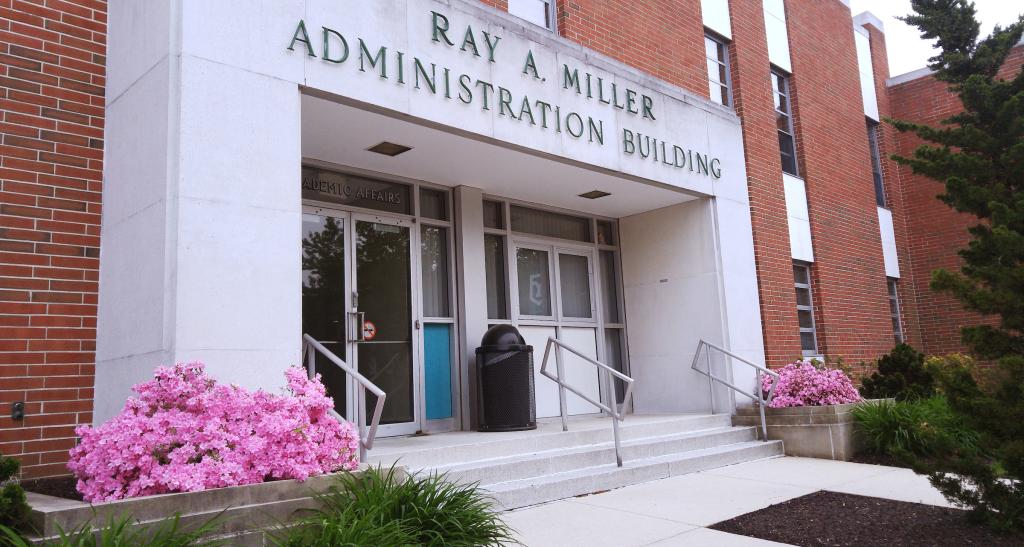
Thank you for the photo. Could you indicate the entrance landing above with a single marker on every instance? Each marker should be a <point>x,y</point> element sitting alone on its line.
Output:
<point>529,467</point>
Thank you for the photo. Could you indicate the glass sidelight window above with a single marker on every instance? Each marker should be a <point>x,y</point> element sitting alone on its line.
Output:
<point>434,266</point>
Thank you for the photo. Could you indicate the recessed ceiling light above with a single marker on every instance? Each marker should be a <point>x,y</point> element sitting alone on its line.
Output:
<point>594,194</point>
<point>389,148</point>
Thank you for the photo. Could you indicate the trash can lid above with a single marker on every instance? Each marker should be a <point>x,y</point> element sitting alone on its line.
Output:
<point>502,336</point>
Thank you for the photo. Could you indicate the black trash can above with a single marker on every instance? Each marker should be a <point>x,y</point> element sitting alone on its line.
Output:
<point>505,396</point>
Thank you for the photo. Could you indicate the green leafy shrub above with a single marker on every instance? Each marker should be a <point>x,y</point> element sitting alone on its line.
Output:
<point>14,508</point>
<point>901,375</point>
<point>382,507</point>
<point>121,532</point>
<point>921,427</point>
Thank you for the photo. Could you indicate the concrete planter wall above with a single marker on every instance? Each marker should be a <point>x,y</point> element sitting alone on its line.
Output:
<point>247,510</point>
<point>810,431</point>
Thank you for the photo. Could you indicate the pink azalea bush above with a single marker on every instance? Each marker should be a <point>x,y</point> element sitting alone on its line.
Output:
<point>185,433</point>
<point>803,384</point>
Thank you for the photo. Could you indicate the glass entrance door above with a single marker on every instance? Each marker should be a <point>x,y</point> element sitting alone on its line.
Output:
<point>383,301</point>
<point>357,296</point>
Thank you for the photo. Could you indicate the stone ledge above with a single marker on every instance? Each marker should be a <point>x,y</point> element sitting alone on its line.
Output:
<point>826,432</point>
<point>244,511</point>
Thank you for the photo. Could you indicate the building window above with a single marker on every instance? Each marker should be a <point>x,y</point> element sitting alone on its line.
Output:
<point>894,310</point>
<point>784,121</point>
<point>805,309</point>
<point>876,162</point>
<point>717,53</point>
<point>538,12</point>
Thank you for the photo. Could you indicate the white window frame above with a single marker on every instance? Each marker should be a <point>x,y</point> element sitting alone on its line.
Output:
<point>788,95</point>
<point>549,13</point>
<point>813,329</point>
<point>893,291</point>
<point>724,62</point>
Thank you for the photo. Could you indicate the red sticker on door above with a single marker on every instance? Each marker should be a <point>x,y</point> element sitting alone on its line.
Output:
<point>369,330</point>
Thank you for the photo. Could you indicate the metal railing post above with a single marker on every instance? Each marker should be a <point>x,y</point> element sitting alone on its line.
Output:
<point>610,391</point>
<point>561,387</point>
<point>611,406</point>
<point>711,383</point>
<point>760,406</point>
<point>759,372</point>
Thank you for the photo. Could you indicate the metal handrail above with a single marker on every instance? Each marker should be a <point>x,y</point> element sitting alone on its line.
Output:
<point>762,401</point>
<point>309,348</point>
<point>611,408</point>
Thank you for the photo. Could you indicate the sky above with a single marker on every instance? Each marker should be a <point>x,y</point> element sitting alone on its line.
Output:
<point>907,51</point>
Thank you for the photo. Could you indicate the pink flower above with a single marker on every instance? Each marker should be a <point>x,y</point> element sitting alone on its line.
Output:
<point>803,384</point>
<point>185,433</point>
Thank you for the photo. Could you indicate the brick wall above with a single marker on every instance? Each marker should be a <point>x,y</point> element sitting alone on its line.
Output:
<point>663,38</point>
<point>752,94</point>
<point>935,232</point>
<point>52,70</point>
<point>851,302</point>
<point>906,286</point>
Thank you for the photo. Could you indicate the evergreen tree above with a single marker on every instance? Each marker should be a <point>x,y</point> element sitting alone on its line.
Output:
<point>979,155</point>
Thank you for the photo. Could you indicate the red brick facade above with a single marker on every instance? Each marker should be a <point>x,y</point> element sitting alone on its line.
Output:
<point>934,231</point>
<point>52,78</point>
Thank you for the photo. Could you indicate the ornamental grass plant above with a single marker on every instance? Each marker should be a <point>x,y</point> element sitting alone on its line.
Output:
<point>909,429</point>
<point>386,507</point>
<point>122,532</point>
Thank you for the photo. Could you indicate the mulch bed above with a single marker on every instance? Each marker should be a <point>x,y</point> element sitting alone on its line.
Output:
<point>61,487</point>
<point>835,519</point>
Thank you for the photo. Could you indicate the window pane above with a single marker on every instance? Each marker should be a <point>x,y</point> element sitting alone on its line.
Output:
<point>534,282</point>
<point>494,215</point>
<point>494,267</point>
<point>800,275</point>
<point>546,223</point>
<point>787,153</point>
<point>803,297</point>
<point>715,71</point>
<point>610,288</point>
<point>434,242</point>
<point>433,204</point>
<point>574,277</point>
<point>605,232</point>
<point>614,358</point>
<point>807,342</point>
<point>806,319</point>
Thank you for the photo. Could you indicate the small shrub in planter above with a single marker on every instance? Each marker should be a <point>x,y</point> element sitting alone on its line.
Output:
<point>185,433</point>
<point>901,375</point>
<point>803,384</point>
<point>381,507</point>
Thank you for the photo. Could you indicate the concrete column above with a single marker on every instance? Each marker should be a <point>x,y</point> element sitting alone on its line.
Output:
<point>470,268</point>
<point>202,212</point>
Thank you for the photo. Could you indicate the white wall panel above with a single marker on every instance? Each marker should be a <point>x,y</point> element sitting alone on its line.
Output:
<point>716,16</point>
<point>579,373</point>
<point>867,73</point>
<point>799,219</point>
<point>892,262</point>
<point>778,37</point>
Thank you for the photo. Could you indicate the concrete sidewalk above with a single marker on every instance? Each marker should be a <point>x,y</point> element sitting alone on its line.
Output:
<point>677,510</point>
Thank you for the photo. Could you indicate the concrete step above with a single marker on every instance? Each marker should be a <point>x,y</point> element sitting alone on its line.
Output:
<point>547,462</point>
<point>531,491</point>
<point>433,451</point>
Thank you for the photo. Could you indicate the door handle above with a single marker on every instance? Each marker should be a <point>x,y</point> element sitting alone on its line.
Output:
<point>360,320</point>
